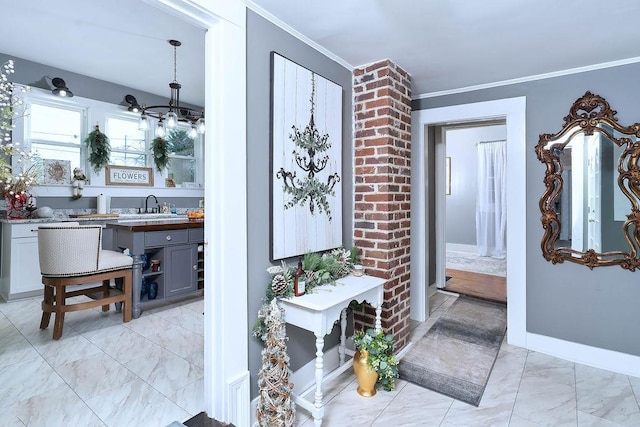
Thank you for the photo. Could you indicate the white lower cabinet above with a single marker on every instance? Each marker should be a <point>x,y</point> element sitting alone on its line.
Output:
<point>19,265</point>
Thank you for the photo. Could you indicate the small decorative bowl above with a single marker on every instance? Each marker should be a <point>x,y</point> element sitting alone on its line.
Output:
<point>358,270</point>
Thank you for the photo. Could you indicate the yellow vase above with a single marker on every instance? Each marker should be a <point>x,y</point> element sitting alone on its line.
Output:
<point>367,378</point>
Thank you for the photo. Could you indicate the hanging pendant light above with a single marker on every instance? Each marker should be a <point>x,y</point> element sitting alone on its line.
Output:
<point>160,130</point>
<point>143,123</point>
<point>173,112</point>
<point>193,132</point>
<point>200,126</point>
<point>172,119</point>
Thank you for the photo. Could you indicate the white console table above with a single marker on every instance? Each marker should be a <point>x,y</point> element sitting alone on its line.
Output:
<point>318,311</point>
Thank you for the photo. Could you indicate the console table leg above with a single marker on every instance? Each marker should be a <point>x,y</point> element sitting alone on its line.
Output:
<point>378,316</point>
<point>343,338</point>
<point>318,413</point>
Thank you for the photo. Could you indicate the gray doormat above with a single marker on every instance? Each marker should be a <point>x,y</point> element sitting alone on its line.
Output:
<point>456,356</point>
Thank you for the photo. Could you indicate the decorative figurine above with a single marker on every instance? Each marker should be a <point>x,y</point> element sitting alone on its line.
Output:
<point>79,180</point>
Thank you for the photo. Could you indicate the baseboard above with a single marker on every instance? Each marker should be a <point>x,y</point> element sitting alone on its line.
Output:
<point>238,392</point>
<point>609,360</point>
<point>459,247</point>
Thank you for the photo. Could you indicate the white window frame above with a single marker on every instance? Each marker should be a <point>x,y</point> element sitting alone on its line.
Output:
<point>96,112</point>
<point>22,134</point>
<point>124,115</point>
<point>198,156</point>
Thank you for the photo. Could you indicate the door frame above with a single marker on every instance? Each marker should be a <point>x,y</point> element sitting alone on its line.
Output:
<point>514,111</point>
<point>226,373</point>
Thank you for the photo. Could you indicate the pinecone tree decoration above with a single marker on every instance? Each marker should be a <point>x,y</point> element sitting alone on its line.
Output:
<point>275,406</point>
<point>279,285</point>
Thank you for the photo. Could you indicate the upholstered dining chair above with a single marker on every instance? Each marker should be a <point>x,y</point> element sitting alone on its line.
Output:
<point>71,256</point>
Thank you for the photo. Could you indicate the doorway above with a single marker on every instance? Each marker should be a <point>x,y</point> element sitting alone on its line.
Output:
<point>475,218</point>
<point>425,152</point>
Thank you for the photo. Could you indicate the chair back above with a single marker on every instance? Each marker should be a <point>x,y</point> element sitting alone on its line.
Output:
<point>69,249</point>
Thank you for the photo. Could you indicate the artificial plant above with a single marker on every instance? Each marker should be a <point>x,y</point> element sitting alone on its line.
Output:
<point>160,149</point>
<point>99,149</point>
<point>380,357</point>
<point>319,269</point>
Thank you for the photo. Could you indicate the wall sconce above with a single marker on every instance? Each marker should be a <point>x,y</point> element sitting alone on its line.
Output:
<point>61,88</point>
<point>133,103</point>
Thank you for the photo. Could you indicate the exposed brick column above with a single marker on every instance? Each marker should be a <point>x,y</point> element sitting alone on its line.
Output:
<point>382,157</point>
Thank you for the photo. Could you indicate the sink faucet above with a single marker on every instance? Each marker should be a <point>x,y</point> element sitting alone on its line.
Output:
<point>146,203</point>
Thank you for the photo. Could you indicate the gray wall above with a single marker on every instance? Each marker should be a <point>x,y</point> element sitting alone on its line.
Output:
<point>33,74</point>
<point>461,147</point>
<point>568,301</point>
<point>262,38</point>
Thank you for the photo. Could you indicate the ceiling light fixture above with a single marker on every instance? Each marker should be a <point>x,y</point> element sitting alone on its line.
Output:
<point>168,115</point>
<point>61,88</point>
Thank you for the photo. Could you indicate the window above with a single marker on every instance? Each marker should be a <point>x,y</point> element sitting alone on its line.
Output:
<point>128,144</point>
<point>55,128</point>
<point>182,166</point>
<point>55,132</point>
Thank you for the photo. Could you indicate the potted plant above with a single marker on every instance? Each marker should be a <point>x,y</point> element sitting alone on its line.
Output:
<point>375,349</point>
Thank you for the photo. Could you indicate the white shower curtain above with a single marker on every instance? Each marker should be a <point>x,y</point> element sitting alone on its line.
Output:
<point>491,203</point>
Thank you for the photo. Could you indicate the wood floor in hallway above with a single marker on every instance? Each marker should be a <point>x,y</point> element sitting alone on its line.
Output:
<point>479,285</point>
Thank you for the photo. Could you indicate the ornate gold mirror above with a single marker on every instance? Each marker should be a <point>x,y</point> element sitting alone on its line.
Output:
<point>590,207</point>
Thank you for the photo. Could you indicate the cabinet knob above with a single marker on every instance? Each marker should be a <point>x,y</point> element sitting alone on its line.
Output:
<point>195,266</point>
<point>168,237</point>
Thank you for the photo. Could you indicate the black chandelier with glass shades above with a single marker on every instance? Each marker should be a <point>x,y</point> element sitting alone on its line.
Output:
<point>168,115</point>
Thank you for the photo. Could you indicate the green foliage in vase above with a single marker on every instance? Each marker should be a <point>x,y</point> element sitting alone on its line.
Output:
<point>160,150</point>
<point>380,358</point>
<point>99,149</point>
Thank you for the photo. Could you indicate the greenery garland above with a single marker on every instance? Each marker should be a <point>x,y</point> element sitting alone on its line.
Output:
<point>160,150</point>
<point>99,149</point>
<point>320,269</point>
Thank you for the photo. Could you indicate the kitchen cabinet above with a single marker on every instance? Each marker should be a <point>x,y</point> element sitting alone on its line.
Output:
<point>19,264</point>
<point>177,245</point>
<point>19,270</point>
<point>182,264</point>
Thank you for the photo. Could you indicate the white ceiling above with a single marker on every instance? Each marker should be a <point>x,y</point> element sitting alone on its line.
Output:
<point>121,41</point>
<point>444,44</point>
<point>452,44</point>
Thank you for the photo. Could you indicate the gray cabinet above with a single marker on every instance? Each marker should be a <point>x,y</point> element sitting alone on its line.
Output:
<point>180,275</point>
<point>176,246</point>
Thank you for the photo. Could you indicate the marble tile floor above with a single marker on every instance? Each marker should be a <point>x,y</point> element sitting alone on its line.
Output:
<point>149,372</point>
<point>525,389</point>
<point>102,372</point>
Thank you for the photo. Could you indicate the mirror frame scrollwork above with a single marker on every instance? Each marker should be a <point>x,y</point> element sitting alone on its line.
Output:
<point>585,116</point>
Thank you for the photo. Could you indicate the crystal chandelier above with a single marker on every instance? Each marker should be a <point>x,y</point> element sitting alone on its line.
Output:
<point>168,115</point>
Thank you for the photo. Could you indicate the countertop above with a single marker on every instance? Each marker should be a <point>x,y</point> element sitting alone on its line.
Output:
<point>158,224</point>
<point>126,218</point>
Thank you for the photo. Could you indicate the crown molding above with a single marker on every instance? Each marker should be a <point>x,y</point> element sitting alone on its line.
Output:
<point>277,22</point>
<point>560,73</point>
